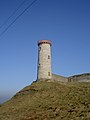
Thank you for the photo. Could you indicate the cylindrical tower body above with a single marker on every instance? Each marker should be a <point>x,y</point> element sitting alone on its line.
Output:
<point>44,60</point>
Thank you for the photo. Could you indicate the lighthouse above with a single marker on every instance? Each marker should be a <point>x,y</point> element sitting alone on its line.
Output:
<point>44,71</point>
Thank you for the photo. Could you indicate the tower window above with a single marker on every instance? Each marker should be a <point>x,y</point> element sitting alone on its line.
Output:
<point>48,73</point>
<point>48,56</point>
<point>39,48</point>
<point>38,65</point>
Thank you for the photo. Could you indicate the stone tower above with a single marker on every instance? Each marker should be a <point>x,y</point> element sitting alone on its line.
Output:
<point>44,60</point>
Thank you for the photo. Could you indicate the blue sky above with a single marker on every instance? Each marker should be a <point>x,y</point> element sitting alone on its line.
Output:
<point>65,22</point>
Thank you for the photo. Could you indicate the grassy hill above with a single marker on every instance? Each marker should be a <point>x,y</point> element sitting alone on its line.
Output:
<point>49,101</point>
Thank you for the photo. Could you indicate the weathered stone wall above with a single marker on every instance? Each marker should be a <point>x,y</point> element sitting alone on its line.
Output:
<point>75,78</point>
<point>59,78</point>
<point>44,61</point>
<point>80,78</point>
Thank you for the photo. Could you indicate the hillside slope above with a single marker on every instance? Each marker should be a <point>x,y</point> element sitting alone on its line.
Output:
<point>49,101</point>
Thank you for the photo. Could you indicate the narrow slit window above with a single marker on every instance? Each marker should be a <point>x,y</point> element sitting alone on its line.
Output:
<point>48,73</point>
<point>48,56</point>
<point>38,65</point>
<point>39,48</point>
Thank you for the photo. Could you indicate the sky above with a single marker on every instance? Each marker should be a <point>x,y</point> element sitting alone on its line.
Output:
<point>65,22</point>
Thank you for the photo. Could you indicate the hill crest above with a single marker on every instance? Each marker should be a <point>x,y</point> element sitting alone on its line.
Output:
<point>46,100</point>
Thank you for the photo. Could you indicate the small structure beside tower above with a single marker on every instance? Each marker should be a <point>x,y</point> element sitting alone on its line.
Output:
<point>44,71</point>
<point>44,60</point>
